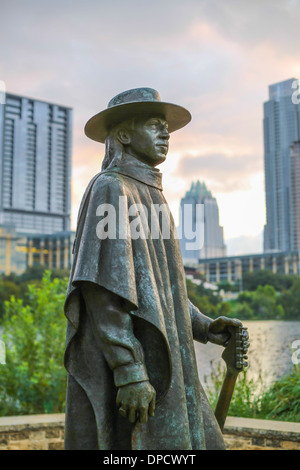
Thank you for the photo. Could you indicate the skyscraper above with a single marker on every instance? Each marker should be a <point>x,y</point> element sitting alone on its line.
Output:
<point>295,197</point>
<point>35,165</point>
<point>281,131</point>
<point>211,244</point>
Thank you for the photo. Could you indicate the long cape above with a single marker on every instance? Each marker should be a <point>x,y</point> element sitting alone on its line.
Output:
<point>147,273</point>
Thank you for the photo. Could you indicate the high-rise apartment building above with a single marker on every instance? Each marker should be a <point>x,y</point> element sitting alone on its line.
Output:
<point>295,197</point>
<point>35,165</point>
<point>281,131</point>
<point>211,242</point>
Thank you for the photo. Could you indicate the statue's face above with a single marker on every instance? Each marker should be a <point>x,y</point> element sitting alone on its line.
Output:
<point>149,140</point>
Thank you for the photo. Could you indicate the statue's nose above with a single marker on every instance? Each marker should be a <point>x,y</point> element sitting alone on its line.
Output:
<point>164,134</point>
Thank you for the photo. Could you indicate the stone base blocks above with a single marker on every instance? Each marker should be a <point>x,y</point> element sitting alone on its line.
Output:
<point>260,434</point>
<point>36,432</point>
<point>46,432</point>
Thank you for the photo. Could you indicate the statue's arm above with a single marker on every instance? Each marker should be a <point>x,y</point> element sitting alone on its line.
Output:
<point>113,328</point>
<point>200,324</point>
<point>215,331</point>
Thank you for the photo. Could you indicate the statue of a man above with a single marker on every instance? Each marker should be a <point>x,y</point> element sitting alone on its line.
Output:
<point>132,373</point>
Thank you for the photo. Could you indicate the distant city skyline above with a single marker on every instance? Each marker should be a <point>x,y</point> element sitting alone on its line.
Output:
<point>215,58</point>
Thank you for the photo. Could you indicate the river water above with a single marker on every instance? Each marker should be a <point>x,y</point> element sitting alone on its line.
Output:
<point>270,351</point>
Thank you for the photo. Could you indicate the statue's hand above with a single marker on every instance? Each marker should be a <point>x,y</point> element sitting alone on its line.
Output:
<point>218,332</point>
<point>136,401</point>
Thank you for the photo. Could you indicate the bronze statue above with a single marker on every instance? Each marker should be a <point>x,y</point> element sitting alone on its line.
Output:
<point>132,373</point>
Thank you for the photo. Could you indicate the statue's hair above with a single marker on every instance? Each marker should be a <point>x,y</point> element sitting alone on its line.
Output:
<point>114,149</point>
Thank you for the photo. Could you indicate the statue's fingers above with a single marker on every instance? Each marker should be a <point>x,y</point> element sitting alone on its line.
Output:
<point>123,411</point>
<point>217,325</point>
<point>118,399</point>
<point>143,413</point>
<point>220,323</point>
<point>233,321</point>
<point>132,414</point>
<point>152,406</point>
<point>245,335</point>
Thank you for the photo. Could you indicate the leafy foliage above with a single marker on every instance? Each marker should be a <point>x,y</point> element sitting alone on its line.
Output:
<point>227,286</point>
<point>34,379</point>
<point>7,289</point>
<point>251,399</point>
<point>263,303</point>
<point>282,400</point>
<point>280,282</point>
<point>17,284</point>
<point>208,301</point>
<point>290,301</point>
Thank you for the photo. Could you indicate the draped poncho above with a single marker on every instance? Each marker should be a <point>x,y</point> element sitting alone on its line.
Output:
<point>147,272</point>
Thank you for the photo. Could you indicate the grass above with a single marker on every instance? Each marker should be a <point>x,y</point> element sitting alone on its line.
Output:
<point>251,399</point>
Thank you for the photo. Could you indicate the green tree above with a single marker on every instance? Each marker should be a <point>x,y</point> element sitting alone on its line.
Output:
<point>7,289</point>
<point>260,304</point>
<point>280,282</point>
<point>223,309</point>
<point>203,298</point>
<point>32,273</point>
<point>290,301</point>
<point>245,297</point>
<point>34,379</point>
<point>264,302</point>
<point>227,286</point>
<point>244,311</point>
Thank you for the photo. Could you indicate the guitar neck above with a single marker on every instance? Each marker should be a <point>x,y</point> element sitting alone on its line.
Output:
<point>225,397</point>
<point>233,355</point>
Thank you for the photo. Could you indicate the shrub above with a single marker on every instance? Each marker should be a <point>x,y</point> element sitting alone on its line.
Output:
<point>34,379</point>
<point>251,398</point>
<point>7,289</point>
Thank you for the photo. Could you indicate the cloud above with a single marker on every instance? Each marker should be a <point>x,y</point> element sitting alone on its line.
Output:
<point>223,173</point>
<point>245,245</point>
<point>215,58</point>
<point>252,23</point>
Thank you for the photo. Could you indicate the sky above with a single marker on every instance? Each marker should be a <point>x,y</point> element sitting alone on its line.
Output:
<point>213,57</point>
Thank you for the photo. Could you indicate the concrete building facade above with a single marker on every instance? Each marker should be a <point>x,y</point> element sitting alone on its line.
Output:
<point>295,197</point>
<point>212,235</point>
<point>281,131</point>
<point>232,268</point>
<point>35,165</point>
<point>21,251</point>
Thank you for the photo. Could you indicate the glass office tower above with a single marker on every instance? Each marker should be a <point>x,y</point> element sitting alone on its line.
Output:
<point>35,165</point>
<point>211,242</point>
<point>281,131</point>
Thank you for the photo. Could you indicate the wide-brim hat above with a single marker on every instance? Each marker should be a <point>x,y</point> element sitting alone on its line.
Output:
<point>132,103</point>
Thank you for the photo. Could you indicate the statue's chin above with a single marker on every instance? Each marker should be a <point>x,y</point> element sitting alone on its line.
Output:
<point>160,160</point>
<point>154,161</point>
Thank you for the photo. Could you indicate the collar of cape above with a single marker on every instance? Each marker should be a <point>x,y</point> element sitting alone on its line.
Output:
<point>130,167</point>
<point>137,170</point>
